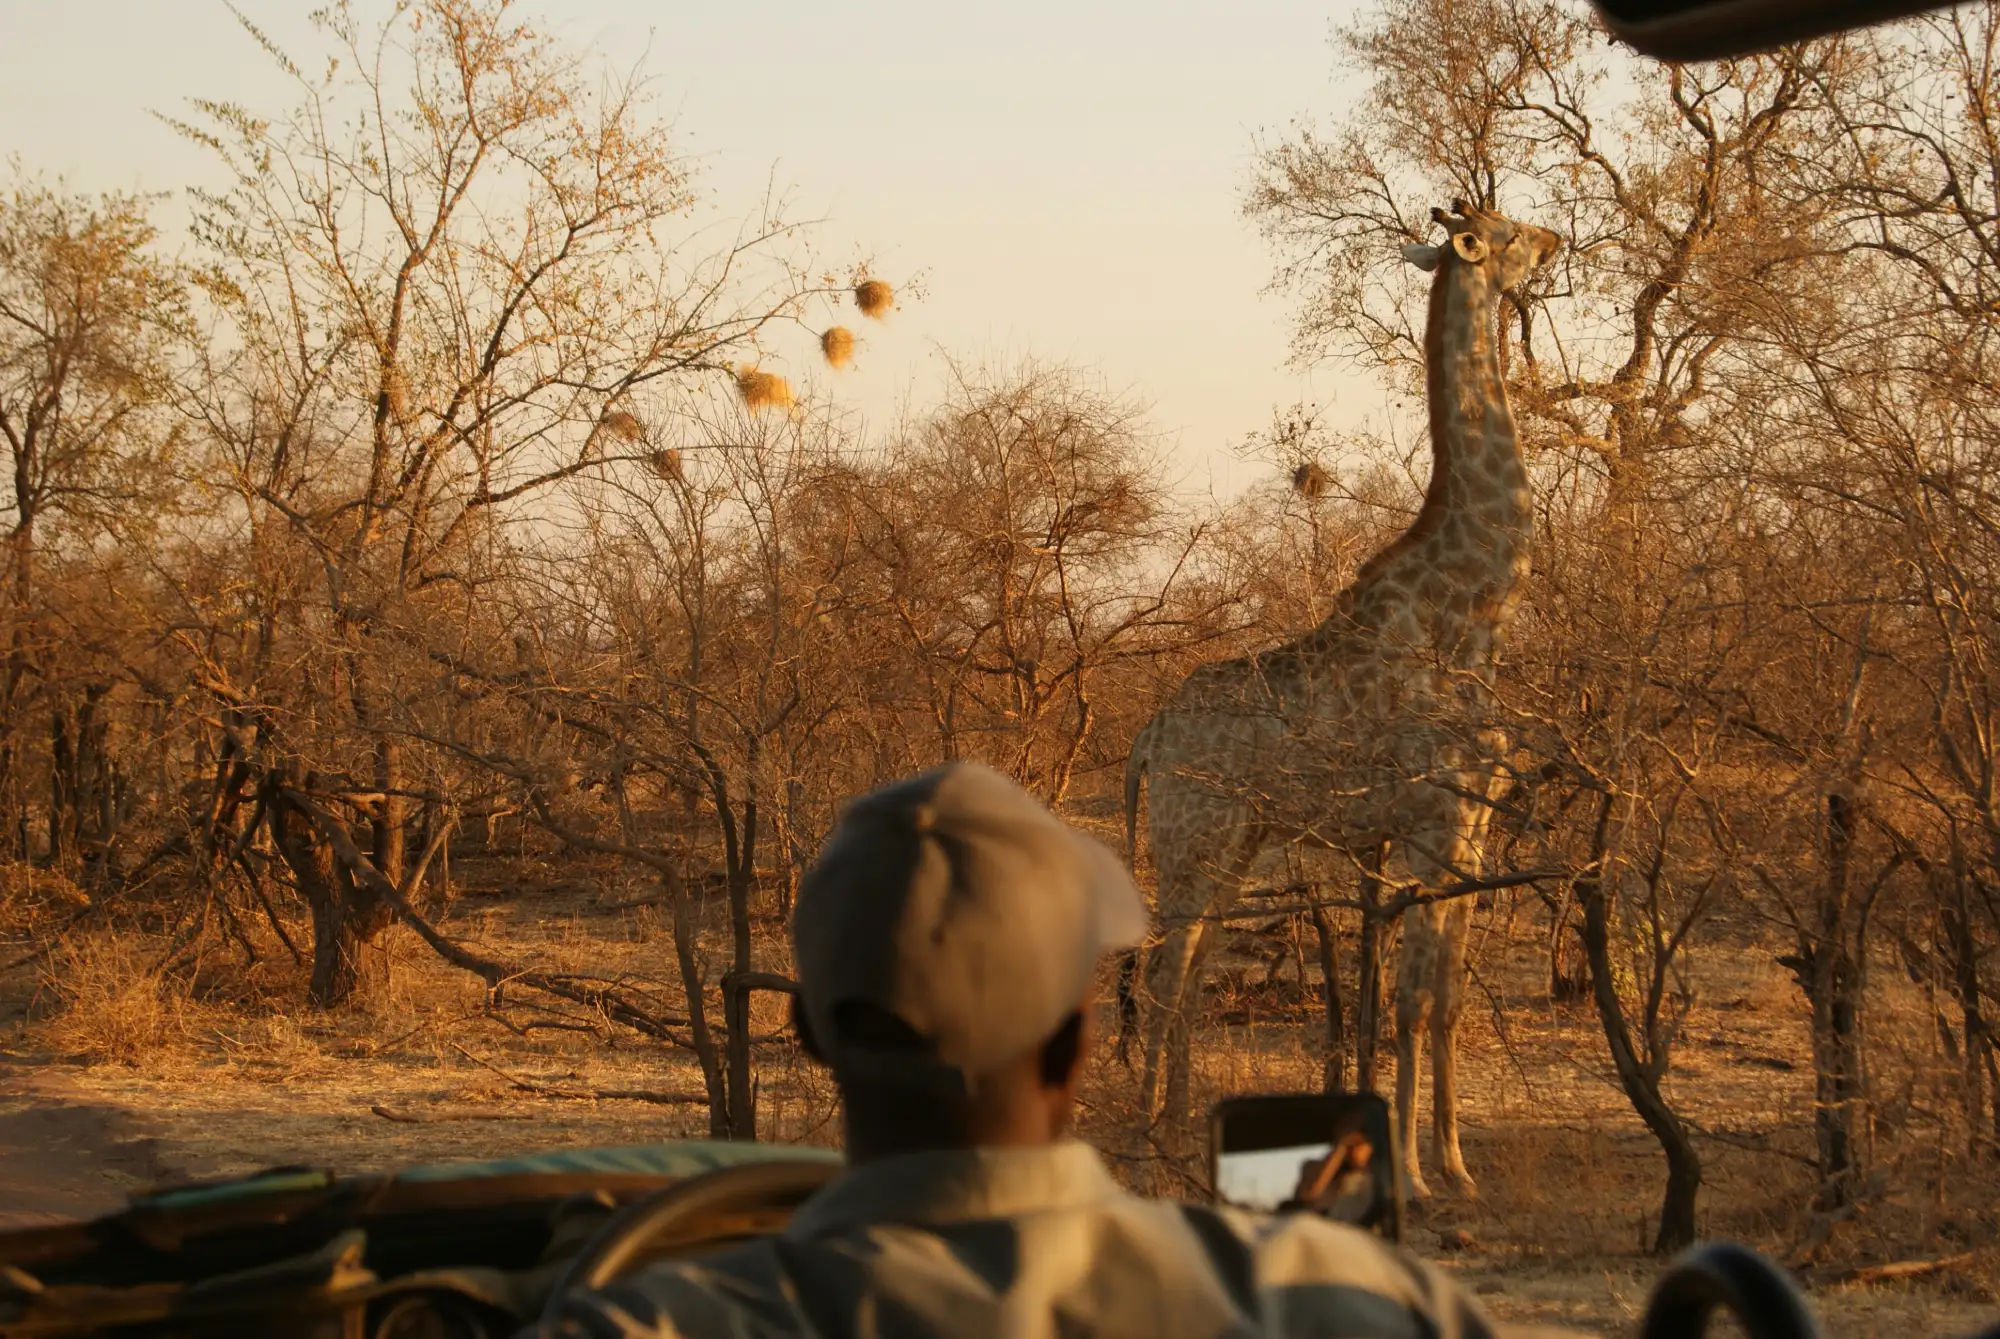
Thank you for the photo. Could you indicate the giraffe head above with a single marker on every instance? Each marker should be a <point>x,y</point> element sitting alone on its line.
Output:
<point>1504,251</point>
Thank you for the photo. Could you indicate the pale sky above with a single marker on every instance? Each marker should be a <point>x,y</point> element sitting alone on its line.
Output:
<point>1066,176</point>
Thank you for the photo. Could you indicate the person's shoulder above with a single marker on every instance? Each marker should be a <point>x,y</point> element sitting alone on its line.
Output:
<point>1308,1236</point>
<point>1316,1263</point>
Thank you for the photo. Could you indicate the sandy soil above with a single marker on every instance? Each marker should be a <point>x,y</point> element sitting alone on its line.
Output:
<point>65,1155</point>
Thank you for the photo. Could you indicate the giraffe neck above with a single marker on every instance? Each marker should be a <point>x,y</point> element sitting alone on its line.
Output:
<point>1462,560</point>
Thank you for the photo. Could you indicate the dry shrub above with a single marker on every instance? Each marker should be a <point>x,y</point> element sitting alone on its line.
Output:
<point>112,1005</point>
<point>32,900</point>
<point>838,346</point>
<point>764,390</point>
<point>874,297</point>
<point>624,426</point>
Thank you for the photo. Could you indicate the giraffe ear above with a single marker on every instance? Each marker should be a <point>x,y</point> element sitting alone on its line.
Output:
<point>1470,249</point>
<point>1423,257</point>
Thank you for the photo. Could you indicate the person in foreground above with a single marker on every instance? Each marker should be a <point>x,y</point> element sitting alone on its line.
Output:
<point>947,942</point>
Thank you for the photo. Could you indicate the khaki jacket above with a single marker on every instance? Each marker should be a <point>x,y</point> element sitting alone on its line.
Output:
<point>1037,1243</point>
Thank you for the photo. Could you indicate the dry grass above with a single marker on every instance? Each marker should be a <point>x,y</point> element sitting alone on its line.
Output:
<point>235,1074</point>
<point>837,343</point>
<point>874,297</point>
<point>110,1004</point>
<point>764,390</point>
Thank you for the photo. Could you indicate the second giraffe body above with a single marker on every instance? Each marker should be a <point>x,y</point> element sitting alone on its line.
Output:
<point>1368,729</point>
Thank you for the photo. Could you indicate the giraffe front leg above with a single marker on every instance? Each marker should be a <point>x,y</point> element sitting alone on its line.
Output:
<point>1410,1010</point>
<point>1444,1100</point>
<point>1448,988</point>
<point>1436,939</point>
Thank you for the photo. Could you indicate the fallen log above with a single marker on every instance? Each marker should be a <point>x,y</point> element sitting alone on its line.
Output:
<point>443,1117</point>
<point>586,1094</point>
<point>1903,1269</point>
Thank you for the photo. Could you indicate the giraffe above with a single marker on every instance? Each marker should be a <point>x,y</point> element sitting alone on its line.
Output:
<point>1367,728</point>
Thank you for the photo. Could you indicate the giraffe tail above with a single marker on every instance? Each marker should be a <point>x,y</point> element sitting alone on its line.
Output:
<point>1136,764</point>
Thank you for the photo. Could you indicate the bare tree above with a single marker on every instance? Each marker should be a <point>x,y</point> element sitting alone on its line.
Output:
<point>431,289</point>
<point>87,319</point>
<point>1025,548</point>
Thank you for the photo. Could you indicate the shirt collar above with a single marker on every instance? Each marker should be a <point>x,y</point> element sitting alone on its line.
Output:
<point>958,1185</point>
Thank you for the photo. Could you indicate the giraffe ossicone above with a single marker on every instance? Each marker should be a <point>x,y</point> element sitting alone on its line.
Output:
<point>1371,728</point>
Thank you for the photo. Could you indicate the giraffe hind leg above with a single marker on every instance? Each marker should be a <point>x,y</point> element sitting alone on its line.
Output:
<point>1176,993</point>
<point>1167,970</point>
<point>1180,1050</point>
<point>1189,895</point>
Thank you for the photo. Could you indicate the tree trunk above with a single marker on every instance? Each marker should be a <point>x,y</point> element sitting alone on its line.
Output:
<point>1962,961</point>
<point>1368,1004</point>
<point>1569,972</point>
<point>1339,1048</point>
<point>344,917</point>
<point>793,854</point>
<point>62,785</point>
<point>20,653</point>
<point>312,865</point>
<point>1833,976</point>
<point>98,789</point>
<point>389,823</point>
<point>1638,1075</point>
<point>736,1003</point>
<point>1368,993</point>
<point>697,1006</point>
<point>1639,1080</point>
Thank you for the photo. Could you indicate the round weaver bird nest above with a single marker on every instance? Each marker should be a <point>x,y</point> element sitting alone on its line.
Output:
<point>397,392</point>
<point>667,464</point>
<point>625,427</point>
<point>764,390</point>
<point>838,346</point>
<point>1310,479</point>
<point>874,298</point>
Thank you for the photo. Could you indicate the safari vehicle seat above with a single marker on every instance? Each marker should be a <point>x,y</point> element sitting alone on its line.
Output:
<point>472,1247</point>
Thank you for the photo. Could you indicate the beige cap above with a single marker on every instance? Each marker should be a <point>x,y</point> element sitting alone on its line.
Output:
<point>957,903</point>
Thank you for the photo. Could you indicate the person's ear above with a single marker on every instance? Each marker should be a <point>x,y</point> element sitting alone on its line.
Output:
<point>1062,1054</point>
<point>803,1027</point>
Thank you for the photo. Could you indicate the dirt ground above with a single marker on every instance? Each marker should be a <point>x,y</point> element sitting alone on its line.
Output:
<point>102,1093</point>
<point>64,1155</point>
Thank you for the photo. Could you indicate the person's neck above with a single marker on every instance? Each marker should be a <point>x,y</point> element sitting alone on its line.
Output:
<point>865,1145</point>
